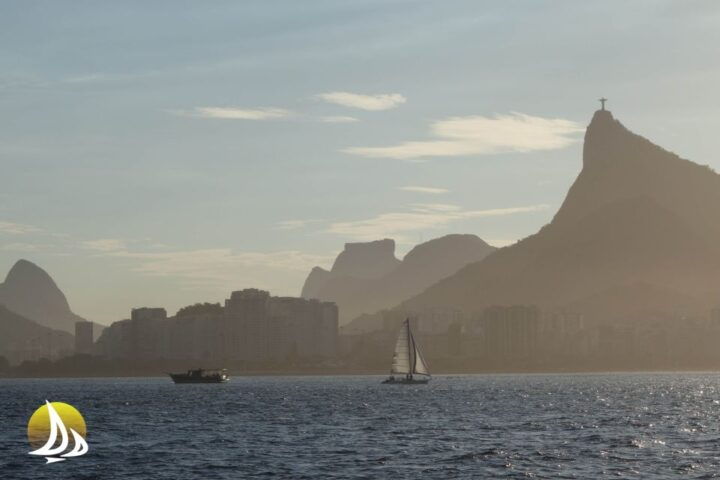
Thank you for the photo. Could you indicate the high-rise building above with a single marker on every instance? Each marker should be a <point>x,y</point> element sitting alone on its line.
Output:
<point>252,328</point>
<point>247,325</point>
<point>144,331</point>
<point>84,337</point>
<point>265,328</point>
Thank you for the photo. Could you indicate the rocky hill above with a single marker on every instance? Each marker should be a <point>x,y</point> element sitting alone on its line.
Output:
<point>29,291</point>
<point>636,215</point>
<point>367,277</point>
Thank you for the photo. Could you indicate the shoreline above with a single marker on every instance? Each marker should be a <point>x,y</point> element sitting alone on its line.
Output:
<point>381,374</point>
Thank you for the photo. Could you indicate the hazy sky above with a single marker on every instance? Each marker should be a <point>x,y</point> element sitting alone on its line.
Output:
<point>164,153</point>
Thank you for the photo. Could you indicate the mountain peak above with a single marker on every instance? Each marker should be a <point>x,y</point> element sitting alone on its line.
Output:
<point>602,116</point>
<point>315,282</point>
<point>384,246</point>
<point>31,292</point>
<point>455,244</point>
<point>635,213</point>
<point>603,137</point>
<point>366,259</point>
<point>26,272</point>
<point>619,164</point>
<point>366,277</point>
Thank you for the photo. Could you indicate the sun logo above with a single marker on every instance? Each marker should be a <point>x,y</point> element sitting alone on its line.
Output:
<point>48,432</point>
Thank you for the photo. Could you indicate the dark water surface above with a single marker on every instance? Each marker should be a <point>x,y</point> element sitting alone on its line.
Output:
<point>484,426</point>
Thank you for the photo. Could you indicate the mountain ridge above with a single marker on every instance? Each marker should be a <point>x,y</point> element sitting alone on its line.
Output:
<point>31,292</point>
<point>425,264</point>
<point>632,215</point>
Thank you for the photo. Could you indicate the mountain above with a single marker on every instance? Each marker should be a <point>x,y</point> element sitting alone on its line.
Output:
<point>29,291</point>
<point>376,279</point>
<point>22,339</point>
<point>636,215</point>
<point>364,260</point>
<point>315,282</point>
<point>430,261</point>
<point>636,301</point>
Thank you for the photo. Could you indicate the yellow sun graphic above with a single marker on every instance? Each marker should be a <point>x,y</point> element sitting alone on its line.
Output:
<point>38,429</point>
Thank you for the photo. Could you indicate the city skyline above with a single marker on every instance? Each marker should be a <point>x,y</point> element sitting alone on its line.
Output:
<point>146,169</point>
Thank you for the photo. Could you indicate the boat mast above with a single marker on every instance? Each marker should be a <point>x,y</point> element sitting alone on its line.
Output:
<point>411,349</point>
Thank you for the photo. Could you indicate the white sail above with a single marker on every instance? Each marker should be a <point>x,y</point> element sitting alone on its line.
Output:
<point>407,359</point>
<point>420,366</point>
<point>56,426</point>
<point>80,448</point>
<point>401,356</point>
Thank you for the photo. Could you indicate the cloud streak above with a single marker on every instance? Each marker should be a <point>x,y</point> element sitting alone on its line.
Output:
<point>419,218</point>
<point>104,244</point>
<point>383,101</point>
<point>338,119</point>
<point>478,135</point>
<point>231,113</point>
<point>419,189</point>
<point>18,228</point>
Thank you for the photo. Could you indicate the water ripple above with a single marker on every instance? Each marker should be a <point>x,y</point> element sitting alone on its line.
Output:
<point>485,426</point>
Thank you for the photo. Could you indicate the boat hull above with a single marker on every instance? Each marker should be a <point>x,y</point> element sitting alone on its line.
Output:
<point>406,381</point>
<point>183,378</point>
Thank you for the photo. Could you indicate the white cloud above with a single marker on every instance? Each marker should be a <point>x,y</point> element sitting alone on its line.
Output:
<point>338,119</point>
<point>477,135</point>
<point>418,189</point>
<point>228,113</point>
<point>104,244</point>
<point>435,207</point>
<point>419,218</point>
<point>18,228</point>
<point>383,101</point>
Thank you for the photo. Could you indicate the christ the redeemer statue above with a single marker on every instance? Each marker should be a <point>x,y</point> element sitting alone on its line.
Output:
<point>602,103</point>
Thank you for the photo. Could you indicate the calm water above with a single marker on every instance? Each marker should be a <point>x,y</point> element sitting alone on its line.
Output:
<point>538,426</point>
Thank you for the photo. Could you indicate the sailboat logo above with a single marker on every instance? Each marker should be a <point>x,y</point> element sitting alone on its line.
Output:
<point>57,431</point>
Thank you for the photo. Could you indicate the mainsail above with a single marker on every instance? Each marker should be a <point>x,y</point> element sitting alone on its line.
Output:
<point>407,358</point>
<point>401,357</point>
<point>57,427</point>
<point>419,365</point>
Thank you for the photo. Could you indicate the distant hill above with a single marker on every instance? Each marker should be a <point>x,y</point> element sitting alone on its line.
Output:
<point>362,261</point>
<point>367,277</point>
<point>637,219</point>
<point>29,291</point>
<point>23,339</point>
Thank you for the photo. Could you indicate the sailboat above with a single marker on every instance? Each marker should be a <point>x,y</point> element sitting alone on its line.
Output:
<point>408,361</point>
<point>57,427</point>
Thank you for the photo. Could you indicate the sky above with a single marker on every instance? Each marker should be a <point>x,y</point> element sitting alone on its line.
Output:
<point>169,152</point>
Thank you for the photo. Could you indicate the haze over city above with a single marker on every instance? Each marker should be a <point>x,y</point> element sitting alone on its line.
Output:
<point>359,239</point>
<point>240,145</point>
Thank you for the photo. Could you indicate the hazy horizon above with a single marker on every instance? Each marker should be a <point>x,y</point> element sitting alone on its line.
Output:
<point>242,144</point>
